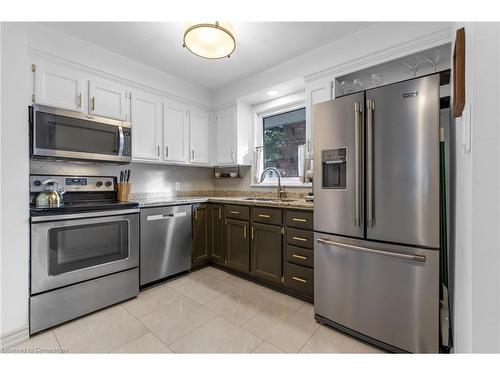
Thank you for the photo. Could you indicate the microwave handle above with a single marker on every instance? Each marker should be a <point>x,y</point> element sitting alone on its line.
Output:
<point>122,141</point>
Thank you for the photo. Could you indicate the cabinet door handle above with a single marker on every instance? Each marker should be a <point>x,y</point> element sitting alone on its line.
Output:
<point>93,103</point>
<point>158,150</point>
<point>166,152</point>
<point>299,279</point>
<point>299,256</point>
<point>253,233</point>
<point>192,155</point>
<point>245,231</point>
<point>234,212</point>
<point>299,220</point>
<point>195,215</point>
<point>265,215</point>
<point>80,100</point>
<point>220,213</point>
<point>300,239</point>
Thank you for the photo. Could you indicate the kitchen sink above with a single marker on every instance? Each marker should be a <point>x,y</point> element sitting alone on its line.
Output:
<point>269,199</point>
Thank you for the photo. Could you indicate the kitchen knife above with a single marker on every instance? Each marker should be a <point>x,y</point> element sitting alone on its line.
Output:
<point>121,176</point>
<point>128,175</point>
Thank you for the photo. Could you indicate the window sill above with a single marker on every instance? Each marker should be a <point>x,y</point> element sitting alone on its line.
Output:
<point>286,185</point>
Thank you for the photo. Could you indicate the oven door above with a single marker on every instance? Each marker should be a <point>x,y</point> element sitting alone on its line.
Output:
<point>57,133</point>
<point>77,247</point>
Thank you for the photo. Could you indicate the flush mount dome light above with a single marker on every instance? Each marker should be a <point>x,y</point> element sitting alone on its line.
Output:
<point>209,40</point>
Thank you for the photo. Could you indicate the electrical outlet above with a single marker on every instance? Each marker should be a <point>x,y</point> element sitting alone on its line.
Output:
<point>177,186</point>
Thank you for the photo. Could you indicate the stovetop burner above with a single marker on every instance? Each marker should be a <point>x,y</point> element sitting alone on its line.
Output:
<point>83,194</point>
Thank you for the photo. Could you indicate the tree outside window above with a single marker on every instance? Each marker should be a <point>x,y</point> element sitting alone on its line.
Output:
<point>283,134</point>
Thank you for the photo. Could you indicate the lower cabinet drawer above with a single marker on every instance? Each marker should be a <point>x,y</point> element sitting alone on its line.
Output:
<point>300,279</point>
<point>237,212</point>
<point>301,238</point>
<point>301,257</point>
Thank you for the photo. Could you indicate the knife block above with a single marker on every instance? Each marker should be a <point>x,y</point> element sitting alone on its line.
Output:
<point>123,191</point>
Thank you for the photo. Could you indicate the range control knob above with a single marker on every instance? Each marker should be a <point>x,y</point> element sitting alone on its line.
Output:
<point>108,183</point>
<point>98,183</point>
<point>37,183</point>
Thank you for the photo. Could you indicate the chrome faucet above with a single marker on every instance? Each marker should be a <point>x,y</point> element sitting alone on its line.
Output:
<point>281,191</point>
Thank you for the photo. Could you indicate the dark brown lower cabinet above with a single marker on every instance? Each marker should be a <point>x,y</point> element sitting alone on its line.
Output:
<point>201,242</point>
<point>237,245</point>
<point>266,253</point>
<point>216,237</point>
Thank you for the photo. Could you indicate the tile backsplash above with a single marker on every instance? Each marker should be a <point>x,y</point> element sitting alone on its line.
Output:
<point>159,180</point>
<point>145,178</point>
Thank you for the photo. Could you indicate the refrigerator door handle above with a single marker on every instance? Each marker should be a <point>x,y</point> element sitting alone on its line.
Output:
<point>370,106</point>
<point>415,257</point>
<point>357,162</point>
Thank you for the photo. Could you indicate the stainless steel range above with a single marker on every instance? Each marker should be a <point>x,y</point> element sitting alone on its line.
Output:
<point>85,253</point>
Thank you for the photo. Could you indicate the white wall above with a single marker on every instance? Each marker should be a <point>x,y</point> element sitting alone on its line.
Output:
<point>477,253</point>
<point>379,37</point>
<point>14,181</point>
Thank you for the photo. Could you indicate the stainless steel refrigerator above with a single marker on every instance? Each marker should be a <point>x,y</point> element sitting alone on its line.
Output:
<point>376,214</point>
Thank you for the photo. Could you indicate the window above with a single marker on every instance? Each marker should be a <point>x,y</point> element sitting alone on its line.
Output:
<point>283,136</point>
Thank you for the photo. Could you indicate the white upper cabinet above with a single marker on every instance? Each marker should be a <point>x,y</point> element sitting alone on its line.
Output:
<point>109,100</point>
<point>199,136</point>
<point>58,87</point>
<point>226,137</point>
<point>316,92</point>
<point>175,132</point>
<point>146,126</point>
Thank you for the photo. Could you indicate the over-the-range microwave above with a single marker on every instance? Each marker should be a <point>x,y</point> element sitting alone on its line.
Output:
<point>61,134</point>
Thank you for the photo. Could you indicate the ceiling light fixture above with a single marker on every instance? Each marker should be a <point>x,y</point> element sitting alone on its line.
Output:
<point>272,92</point>
<point>210,40</point>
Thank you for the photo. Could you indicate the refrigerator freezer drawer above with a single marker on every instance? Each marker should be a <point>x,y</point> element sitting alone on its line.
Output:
<point>389,293</point>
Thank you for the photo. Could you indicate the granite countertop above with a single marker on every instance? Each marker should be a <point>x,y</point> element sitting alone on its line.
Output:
<point>298,203</point>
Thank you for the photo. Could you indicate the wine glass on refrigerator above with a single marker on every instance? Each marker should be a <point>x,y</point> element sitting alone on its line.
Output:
<point>413,63</point>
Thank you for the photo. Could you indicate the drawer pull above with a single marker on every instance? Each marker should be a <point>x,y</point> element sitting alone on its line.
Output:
<point>265,215</point>
<point>299,279</point>
<point>299,220</point>
<point>299,256</point>
<point>234,212</point>
<point>300,239</point>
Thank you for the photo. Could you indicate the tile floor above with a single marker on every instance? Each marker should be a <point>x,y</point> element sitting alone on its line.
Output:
<point>206,311</point>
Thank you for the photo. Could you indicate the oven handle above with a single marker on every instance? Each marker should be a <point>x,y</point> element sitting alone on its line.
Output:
<point>42,219</point>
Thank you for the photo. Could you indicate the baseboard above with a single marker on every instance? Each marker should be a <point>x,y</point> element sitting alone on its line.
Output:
<point>13,338</point>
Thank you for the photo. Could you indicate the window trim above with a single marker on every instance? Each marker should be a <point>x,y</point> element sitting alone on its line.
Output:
<point>259,141</point>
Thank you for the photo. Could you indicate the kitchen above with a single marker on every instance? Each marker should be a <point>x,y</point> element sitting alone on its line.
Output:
<point>188,200</point>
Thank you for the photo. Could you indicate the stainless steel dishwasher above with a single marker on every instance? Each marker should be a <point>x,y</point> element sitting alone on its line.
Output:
<point>166,242</point>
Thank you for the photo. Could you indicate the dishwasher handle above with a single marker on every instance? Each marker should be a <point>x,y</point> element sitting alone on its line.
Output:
<point>166,216</point>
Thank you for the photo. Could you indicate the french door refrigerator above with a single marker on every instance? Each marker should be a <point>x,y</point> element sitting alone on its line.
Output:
<point>376,214</point>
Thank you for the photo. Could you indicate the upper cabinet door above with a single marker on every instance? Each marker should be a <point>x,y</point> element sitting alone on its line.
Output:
<point>58,87</point>
<point>316,92</point>
<point>108,100</point>
<point>226,138</point>
<point>146,126</point>
<point>175,132</point>
<point>199,136</point>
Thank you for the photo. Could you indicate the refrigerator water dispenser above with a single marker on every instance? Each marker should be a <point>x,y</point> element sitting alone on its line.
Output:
<point>334,168</point>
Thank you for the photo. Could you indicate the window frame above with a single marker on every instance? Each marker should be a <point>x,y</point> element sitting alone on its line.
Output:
<point>259,142</point>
